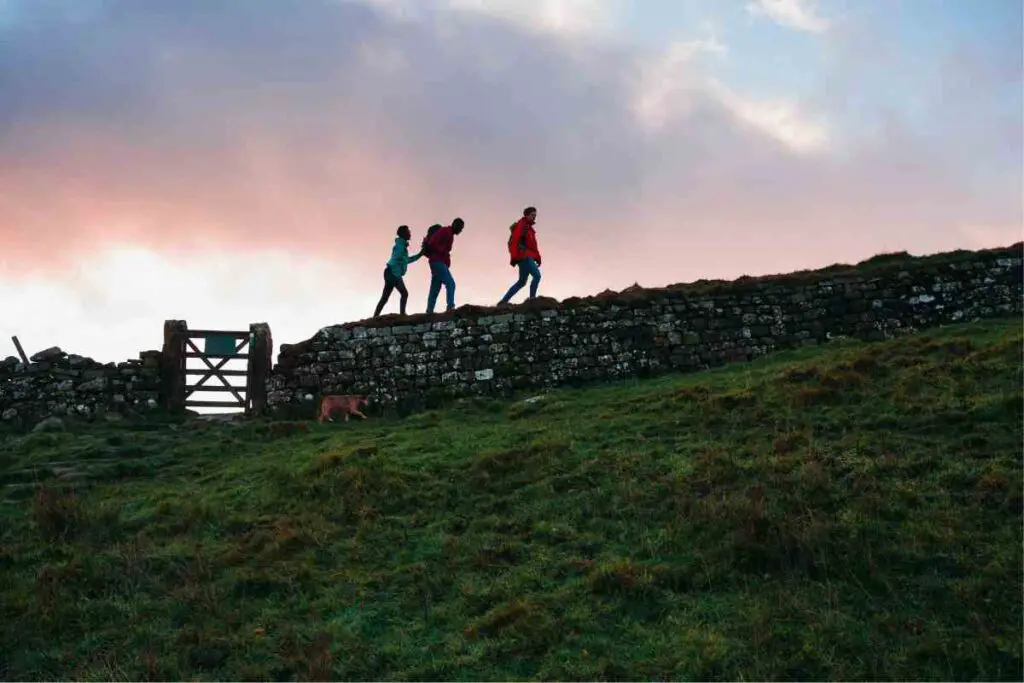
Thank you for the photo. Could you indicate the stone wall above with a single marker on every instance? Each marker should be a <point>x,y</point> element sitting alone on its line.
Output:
<point>422,359</point>
<point>55,384</point>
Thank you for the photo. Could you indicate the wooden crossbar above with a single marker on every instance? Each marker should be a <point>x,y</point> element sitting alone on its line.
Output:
<point>209,388</point>
<point>214,404</point>
<point>226,373</point>
<point>203,334</point>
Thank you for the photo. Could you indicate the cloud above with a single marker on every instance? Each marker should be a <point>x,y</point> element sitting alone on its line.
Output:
<point>312,129</point>
<point>573,17</point>
<point>794,14</point>
<point>780,119</point>
<point>566,18</point>
<point>669,82</point>
<point>112,304</point>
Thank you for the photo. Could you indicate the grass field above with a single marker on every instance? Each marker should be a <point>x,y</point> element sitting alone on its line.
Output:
<point>847,512</point>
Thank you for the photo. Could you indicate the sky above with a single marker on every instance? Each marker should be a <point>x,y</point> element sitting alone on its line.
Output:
<point>235,161</point>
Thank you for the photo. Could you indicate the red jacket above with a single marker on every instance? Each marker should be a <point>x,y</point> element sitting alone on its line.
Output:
<point>523,242</point>
<point>439,247</point>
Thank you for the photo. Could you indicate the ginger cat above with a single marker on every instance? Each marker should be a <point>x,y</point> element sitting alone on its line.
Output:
<point>348,404</point>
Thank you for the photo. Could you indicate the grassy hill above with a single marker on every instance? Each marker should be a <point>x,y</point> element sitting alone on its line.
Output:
<point>846,512</point>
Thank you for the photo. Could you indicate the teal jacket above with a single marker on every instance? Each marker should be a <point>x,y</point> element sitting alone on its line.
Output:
<point>399,261</point>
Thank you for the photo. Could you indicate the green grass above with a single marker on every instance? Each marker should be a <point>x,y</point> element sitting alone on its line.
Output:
<point>846,512</point>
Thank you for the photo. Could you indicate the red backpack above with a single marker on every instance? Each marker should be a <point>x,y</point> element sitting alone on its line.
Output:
<point>515,250</point>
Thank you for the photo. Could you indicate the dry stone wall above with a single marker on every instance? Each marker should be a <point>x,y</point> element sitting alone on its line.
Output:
<point>422,360</point>
<point>62,386</point>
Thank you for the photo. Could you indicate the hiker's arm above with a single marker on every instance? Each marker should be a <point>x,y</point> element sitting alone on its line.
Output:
<point>415,257</point>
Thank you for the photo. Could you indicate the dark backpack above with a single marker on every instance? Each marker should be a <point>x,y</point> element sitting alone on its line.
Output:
<point>425,246</point>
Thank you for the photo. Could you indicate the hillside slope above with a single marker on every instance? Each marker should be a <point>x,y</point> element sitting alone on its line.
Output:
<point>847,512</point>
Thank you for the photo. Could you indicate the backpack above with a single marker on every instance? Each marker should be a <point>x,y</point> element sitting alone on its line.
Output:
<point>519,248</point>
<point>425,246</point>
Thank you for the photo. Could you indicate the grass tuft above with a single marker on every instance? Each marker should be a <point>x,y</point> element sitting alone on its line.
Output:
<point>57,512</point>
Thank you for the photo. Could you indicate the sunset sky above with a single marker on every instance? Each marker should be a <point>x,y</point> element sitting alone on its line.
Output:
<point>235,161</point>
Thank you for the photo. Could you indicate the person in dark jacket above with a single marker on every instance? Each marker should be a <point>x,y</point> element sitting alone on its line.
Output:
<point>395,270</point>
<point>438,250</point>
<point>524,252</point>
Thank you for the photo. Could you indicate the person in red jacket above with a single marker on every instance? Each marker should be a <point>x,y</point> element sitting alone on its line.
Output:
<point>524,252</point>
<point>438,250</point>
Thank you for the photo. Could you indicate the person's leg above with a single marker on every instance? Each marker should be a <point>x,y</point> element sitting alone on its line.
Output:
<point>435,285</point>
<point>533,269</point>
<point>388,287</point>
<point>449,287</point>
<point>519,284</point>
<point>403,293</point>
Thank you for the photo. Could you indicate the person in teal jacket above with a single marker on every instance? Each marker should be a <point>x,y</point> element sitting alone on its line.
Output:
<point>395,270</point>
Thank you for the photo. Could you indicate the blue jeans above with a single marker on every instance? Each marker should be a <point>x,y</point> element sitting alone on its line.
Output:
<point>440,275</point>
<point>527,268</point>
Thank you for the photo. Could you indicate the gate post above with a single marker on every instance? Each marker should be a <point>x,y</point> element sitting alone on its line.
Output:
<point>173,365</point>
<point>261,349</point>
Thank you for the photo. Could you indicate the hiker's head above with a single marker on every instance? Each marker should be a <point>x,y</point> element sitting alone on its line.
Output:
<point>457,225</point>
<point>404,232</point>
<point>530,213</point>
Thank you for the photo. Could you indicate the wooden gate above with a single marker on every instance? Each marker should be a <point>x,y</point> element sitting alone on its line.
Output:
<point>254,346</point>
